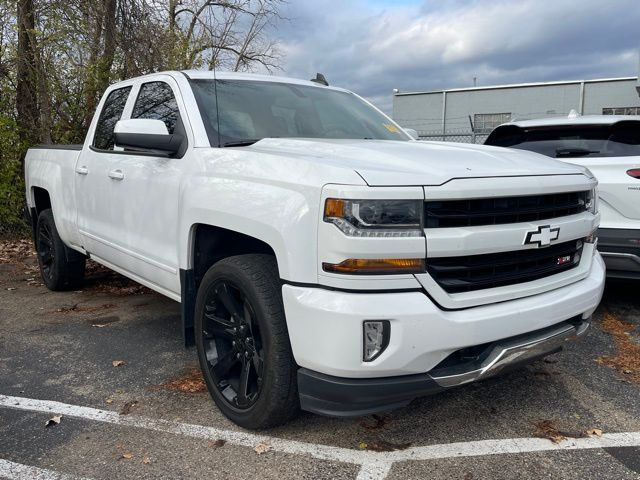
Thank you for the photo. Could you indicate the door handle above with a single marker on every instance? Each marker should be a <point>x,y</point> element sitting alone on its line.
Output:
<point>116,174</point>
<point>83,170</point>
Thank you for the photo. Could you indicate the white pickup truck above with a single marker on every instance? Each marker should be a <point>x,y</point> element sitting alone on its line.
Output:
<point>324,260</point>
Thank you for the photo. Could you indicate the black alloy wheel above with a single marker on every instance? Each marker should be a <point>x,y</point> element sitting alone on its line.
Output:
<point>45,248</point>
<point>233,346</point>
<point>61,267</point>
<point>243,344</point>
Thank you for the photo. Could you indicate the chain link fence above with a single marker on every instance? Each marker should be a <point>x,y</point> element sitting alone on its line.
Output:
<point>465,136</point>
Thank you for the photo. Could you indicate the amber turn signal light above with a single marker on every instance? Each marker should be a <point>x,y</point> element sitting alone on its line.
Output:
<point>334,207</point>
<point>377,266</point>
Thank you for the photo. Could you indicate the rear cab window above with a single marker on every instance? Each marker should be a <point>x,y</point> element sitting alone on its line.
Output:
<point>103,138</point>
<point>621,139</point>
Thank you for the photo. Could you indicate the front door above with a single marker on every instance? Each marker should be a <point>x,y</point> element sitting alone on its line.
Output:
<point>141,196</point>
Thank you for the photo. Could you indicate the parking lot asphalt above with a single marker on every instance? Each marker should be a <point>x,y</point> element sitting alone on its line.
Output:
<point>109,361</point>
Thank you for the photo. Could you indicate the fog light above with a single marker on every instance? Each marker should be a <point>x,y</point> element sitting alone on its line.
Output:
<point>376,338</point>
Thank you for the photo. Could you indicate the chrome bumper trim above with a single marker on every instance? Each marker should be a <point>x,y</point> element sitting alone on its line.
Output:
<point>626,256</point>
<point>516,351</point>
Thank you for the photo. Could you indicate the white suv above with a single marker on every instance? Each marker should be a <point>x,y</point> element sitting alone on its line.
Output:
<point>610,147</point>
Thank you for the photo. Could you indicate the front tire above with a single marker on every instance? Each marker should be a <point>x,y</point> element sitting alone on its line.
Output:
<point>58,271</point>
<point>243,344</point>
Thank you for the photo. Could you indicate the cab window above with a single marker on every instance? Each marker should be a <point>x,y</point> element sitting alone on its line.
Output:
<point>110,114</point>
<point>157,102</point>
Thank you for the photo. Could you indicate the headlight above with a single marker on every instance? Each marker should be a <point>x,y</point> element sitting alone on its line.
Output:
<point>375,218</point>
<point>592,201</point>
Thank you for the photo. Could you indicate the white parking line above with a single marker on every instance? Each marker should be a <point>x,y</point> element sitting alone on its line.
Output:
<point>374,465</point>
<point>17,471</point>
<point>246,439</point>
<point>374,470</point>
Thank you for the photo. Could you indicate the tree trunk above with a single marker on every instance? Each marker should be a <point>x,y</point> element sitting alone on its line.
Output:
<point>26,76</point>
<point>173,37</point>
<point>90,87</point>
<point>109,40</point>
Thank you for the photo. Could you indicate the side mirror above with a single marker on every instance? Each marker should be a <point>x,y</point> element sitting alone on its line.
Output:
<point>412,133</point>
<point>146,135</point>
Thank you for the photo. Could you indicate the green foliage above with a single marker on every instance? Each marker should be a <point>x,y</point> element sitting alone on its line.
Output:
<point>11,179</point>
<point>76,48</point>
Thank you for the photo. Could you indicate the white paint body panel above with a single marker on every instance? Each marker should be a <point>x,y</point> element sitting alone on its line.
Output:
<point>326,333</point>
<point>141,223</point>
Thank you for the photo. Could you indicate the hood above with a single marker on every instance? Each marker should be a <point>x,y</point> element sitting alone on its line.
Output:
<point>395,163</point>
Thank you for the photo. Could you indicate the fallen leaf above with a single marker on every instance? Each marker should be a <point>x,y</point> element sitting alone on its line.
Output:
<point>109,401</point>
<point>118,363</point>
<point>362,446</point>
<point>595,431</point>
<point>627,356</point>
<point>217,443</point>
<point>146,460</point>
<point>128,406</point>
<point>53,421</point>
<point>191,381</point>
<point>546,429</point>
<point>128,456</point>
<point>262,447</point>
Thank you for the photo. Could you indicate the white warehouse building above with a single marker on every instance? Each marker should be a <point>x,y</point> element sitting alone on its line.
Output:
<point>469,114</point>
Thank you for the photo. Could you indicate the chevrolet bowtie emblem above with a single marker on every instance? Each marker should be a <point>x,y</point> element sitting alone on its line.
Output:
<point>543,236</point>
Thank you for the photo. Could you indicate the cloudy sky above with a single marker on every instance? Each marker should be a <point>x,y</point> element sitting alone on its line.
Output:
<point>374,46</point>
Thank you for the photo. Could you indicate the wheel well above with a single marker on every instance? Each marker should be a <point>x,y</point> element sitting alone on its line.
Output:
<point>41,199</point>
<point>212,244</point>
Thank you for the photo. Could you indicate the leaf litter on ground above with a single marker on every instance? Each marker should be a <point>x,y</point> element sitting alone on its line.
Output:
<point>53,421</point>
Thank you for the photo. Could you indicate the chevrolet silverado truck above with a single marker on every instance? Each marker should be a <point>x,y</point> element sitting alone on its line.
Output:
<point>323,259</point>
<point>609,145</point>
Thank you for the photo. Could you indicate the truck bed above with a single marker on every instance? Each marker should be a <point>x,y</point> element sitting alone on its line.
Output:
<point>59,147</point>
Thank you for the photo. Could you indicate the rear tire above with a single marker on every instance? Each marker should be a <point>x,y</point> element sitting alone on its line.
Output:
<point>60,268</point>
<point>243,343</point>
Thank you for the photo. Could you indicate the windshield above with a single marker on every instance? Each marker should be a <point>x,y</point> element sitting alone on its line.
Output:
<point>622,139</point>
<point>253,110</point>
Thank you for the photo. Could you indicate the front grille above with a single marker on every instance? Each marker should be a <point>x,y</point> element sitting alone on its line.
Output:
<point>501,210</point>
<point>476,272</point>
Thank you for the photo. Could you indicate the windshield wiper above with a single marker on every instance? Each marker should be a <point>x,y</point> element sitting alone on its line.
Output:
<point>574,152</point>
<point>242,143</point>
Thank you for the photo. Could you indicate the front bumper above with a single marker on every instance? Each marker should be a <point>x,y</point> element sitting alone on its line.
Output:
<point>325,328</point>
<point>328,395</point>
<point>620,249</point>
